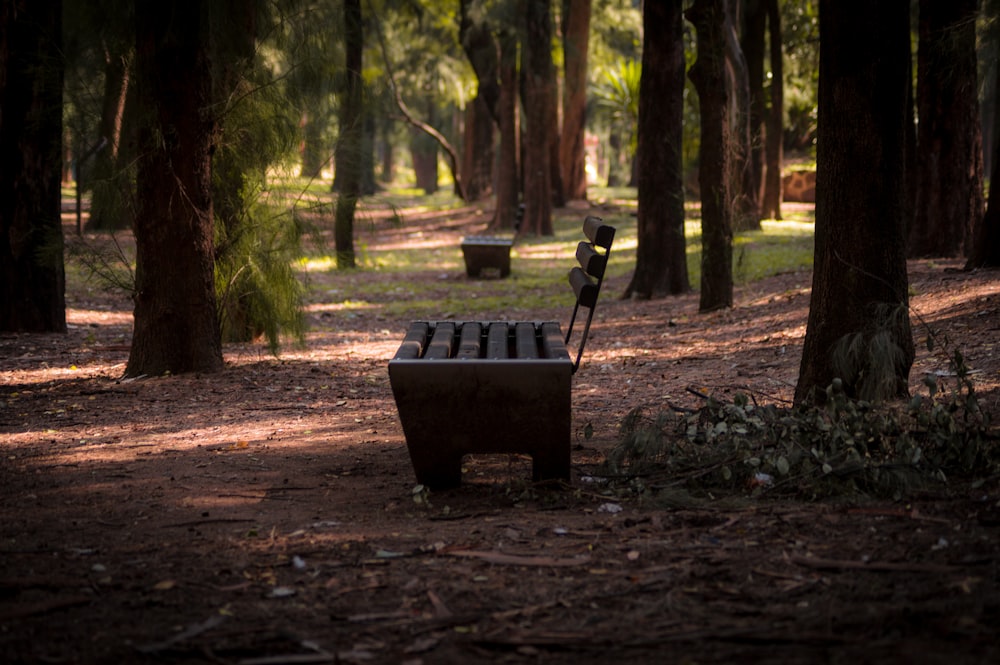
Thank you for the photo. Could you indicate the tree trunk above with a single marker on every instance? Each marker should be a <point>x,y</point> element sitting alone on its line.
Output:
<point>348,150</point>
<point>32,295</point>
<point>752,43</point>
<point>744,189</point>
<point>949,140</point>
<point>508,189</point>
<point>478,154</point>
<point>314,155</point>
<point>661,255</point>
<point>714,169</point>
<point>388,151</point>
<point>985,250</point>
<point>107,202</point>
<point>483,51</point>
<point>774,118</point>
<point>859,327</point>
<point>424,155</point>
<point>573,155</point>
<point>176,322</point>
<point>537,73</point>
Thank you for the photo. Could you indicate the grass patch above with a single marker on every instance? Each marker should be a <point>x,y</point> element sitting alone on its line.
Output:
<point>427,279</point>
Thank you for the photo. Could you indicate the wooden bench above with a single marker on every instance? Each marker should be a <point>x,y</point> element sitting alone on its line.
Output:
<point>495,387</point>
<point>486,255</point>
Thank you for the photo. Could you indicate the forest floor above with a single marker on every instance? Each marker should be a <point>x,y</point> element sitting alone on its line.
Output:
<point>265,514</point>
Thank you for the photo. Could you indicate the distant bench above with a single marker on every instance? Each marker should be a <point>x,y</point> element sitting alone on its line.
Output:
<point>486,254</point>
<point>495,387</point>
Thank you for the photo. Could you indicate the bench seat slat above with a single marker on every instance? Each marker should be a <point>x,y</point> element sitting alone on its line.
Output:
<point>497,344</point>
<point>470,341</point>
<point>526,340</point>
<point>442,341</point>
<point>414,341</point>
<point>552,341</point>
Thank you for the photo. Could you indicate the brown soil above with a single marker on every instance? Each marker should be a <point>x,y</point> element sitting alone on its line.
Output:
<point>265,514</point>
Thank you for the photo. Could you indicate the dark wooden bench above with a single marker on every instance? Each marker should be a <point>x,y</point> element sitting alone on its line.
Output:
<point>486,255</point>
<point>495,387</point>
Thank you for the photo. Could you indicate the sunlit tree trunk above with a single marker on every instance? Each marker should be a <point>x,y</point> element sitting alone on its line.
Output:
<point>482,114</point>
<point>661,255</point>
<point>576,41</point>
<point>538,81</point>
<point>508,189</point>
<point>709,77</point>
<point>859,289</point>
<point>754,22</point>
<point>478,152</point>
<point>348,152</point>
<point>176,321</point>
<point>774,118</point>
<point>744,188</point>
<point>32,276</point>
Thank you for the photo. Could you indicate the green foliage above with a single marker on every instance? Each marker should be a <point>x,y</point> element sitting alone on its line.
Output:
<point>845,446</point>
<point>868,361</point>
<point>258,291</point>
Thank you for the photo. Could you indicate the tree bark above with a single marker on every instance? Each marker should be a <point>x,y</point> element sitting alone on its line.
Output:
<point>508,182</point>
<point>985,250</point>
<point>348,149</point>
<point>572,150</point>
<point>661,254</point>
<point>949,141</point>
<point>859,290</point>
<point>482,114</point>
<point>752,42</point>
<point>32,295</point>
<point>314,152</point>
<point>539,98</point>
<point>478,154</point>
<point>774,118</point>
<point>176,321</point>
<point>107,203</point>
<point>714,168</point>
<point>744,189</point>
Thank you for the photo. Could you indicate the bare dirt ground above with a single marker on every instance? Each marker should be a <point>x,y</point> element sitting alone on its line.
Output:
<point>265,514</point>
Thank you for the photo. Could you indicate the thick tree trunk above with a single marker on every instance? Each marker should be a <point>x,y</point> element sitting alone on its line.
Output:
<point>176,322</point>
<point>709,77</point>
<point>108,188</point>
<point>985,250</point>
<point>661,255</point>
<point>859,292</point>
<point>478,154</point>
<point>572,151</point>
<point>752,42</point>
<point>744,189</point>
<point>508,189</point>
<point>774,118</point>
<point>949,140</point>
<point>348,151</point>
<point>539,98</point>
<point>32,277</point>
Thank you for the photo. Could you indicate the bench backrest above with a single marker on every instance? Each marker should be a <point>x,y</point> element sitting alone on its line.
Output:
<point>587,278</point>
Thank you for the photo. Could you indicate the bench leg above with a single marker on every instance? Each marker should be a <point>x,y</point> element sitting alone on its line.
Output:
<point>552,463</point>
<point>437,472</point>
